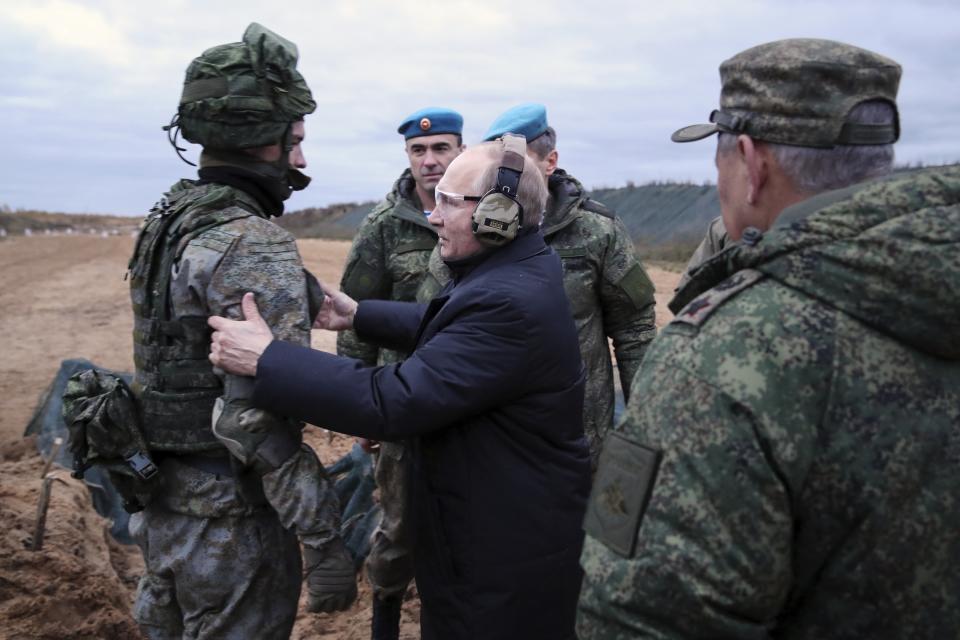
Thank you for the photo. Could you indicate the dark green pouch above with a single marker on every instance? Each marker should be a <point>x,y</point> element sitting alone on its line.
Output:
<point>101,415</point>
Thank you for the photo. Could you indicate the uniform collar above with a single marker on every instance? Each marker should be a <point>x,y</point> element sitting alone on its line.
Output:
<point>406,203</point>
<point>566,193</point>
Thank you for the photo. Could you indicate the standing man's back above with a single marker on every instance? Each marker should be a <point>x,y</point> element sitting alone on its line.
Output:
<point>793,471</point>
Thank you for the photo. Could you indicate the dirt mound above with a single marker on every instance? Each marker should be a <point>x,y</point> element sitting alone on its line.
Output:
<point>65,297</point>
<point>80,584</point>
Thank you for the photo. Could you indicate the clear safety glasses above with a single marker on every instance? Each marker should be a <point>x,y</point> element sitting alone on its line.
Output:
<point>453,200</point>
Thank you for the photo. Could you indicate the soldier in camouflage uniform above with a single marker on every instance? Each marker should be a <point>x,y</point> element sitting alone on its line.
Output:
<point>791,471</point>
<point>387,261</point>
<point>219,541</point>
<point>715,241</point>
<point>610,294</point>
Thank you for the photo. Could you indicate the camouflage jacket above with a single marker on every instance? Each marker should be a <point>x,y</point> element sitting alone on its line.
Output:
<point>805,415</point>
<point>712,244</point>
<point>387,261</point>
<point>610,295</point>
<point>218,265</point>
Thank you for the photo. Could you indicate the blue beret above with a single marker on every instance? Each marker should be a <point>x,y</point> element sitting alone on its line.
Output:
<point>528,120</point>
<point>431,121</point>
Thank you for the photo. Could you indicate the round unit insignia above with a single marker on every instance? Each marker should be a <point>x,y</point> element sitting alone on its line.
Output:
<point>425,124</point>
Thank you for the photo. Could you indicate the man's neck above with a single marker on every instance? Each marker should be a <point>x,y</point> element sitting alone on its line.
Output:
<point>784,200</point>
<point>427,200</point>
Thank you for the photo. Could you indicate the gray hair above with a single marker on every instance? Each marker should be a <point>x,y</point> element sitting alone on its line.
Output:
<point>813,170</point>
<point>531,192</point>
<point>543,144</point>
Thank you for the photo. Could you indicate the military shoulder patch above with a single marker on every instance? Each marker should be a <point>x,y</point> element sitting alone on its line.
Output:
<point>638,286</point>
<point>701,307</point>
<point>362,282</point>
<point>621,490</point>
<point>598,207</point>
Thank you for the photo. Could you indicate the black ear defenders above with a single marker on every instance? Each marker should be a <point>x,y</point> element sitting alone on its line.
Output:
<point>499,215</point>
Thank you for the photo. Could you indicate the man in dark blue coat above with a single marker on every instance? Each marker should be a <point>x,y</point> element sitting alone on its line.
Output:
<point>490,400</point>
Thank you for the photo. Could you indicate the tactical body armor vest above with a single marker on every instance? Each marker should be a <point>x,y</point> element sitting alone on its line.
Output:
<point>174,380</point>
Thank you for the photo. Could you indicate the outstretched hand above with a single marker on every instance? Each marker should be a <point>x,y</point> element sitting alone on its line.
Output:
<point>236,345</point>
<point>337,311</point>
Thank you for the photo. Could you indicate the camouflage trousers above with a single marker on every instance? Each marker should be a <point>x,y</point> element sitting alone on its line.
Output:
<point>303,497</point>
<point>219,564</point>
<point>390,563</point>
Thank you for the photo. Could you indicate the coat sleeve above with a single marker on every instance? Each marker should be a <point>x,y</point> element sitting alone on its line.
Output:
<point>214,272</point>
<point>365,276</point>
<point>473,365</point>
<point>712,555</point>
<point>389,324</point>
<point>271,268</point>
<point>264,259</point>
<point>627,302</point>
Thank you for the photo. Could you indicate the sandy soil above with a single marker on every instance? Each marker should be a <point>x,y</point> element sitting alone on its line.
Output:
<point>65,297</point>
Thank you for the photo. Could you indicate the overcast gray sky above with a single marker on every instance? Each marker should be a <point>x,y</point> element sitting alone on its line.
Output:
<point>88,84</point>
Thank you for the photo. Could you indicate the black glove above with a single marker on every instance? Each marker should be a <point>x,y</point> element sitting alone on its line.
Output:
<point>330,577</point>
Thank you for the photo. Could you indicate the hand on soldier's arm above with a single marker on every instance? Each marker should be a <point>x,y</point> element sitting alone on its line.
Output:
<point>336,312</point>
<point>236,345</point>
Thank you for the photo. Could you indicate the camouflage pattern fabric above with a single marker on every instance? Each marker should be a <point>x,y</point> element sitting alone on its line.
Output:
<point>217,565</point>
<point>388,261</point>
<point>244,94</point>
<point>713,243</point>
<point>214,271</point>
<point>610,295</point>
<point>800,91</point>
<point>787,465</point>
<point>303,497</point>
<point>390,562</point>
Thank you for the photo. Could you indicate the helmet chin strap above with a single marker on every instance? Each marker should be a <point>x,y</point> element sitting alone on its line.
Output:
<point>280,170</point>
<point>173,130</point>
<point>293,179</point>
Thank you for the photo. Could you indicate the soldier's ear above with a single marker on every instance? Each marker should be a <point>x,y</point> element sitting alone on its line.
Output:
<point>756,158</point>
<point>553,158</point>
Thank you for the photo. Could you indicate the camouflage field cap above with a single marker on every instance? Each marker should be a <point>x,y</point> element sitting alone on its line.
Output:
<point>244,94</point>
<point>800,92</point>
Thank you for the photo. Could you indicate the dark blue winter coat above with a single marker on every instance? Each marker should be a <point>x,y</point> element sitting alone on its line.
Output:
<point>491,402</point>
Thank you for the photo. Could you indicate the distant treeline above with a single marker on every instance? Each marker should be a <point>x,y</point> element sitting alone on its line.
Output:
<point>336,221</point>
<point>27,221</point>
<point>666,218</point>
<point>656,214</point>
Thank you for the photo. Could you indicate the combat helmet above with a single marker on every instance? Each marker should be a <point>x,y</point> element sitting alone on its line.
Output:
<point>244,94</point>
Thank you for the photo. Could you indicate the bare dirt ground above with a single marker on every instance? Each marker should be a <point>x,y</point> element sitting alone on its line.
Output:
<point>65,297</point>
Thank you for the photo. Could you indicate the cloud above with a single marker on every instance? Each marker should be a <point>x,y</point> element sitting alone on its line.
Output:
<point>95,80</point>
<point>27,102</point>
<point>61,25</point>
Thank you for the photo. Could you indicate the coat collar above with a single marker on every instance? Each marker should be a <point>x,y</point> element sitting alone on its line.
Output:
<point>526,245</point>
<point>406,204</point>
<point>563,207</point>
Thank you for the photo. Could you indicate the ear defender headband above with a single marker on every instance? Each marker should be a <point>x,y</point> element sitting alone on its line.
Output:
<point>499,215</point>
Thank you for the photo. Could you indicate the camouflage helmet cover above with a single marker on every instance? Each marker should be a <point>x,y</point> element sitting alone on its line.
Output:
<point>244,94</point>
